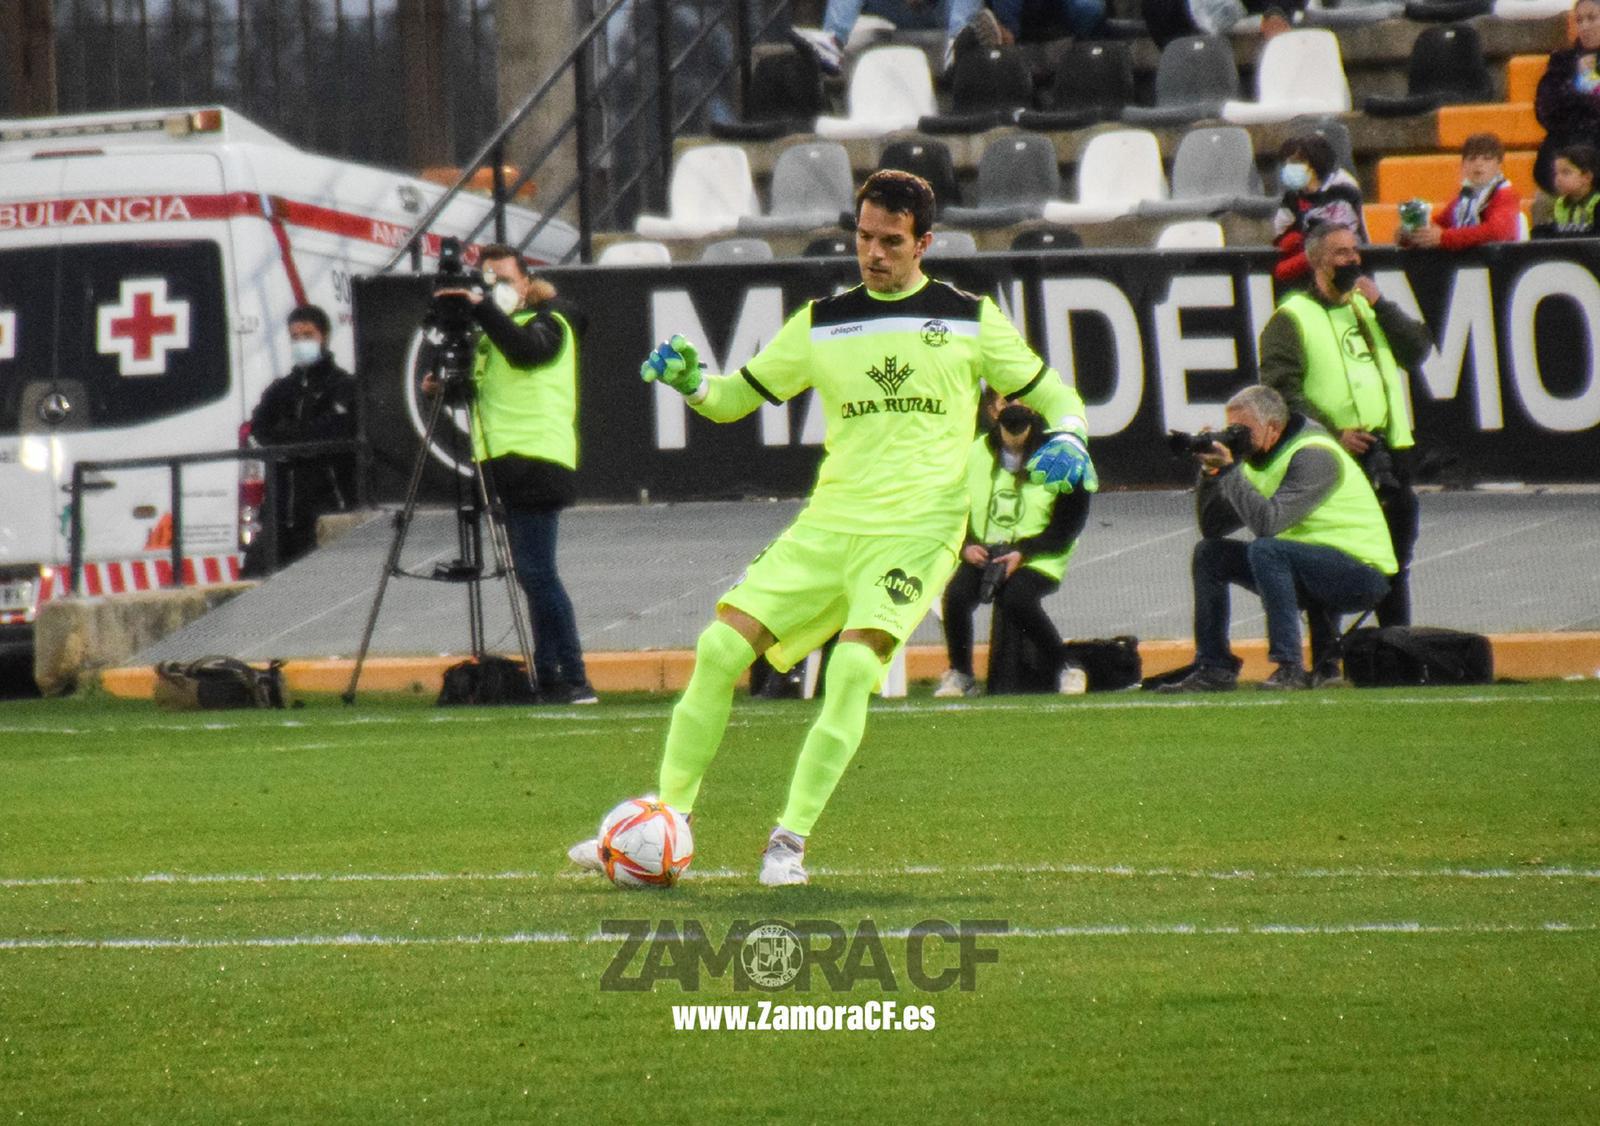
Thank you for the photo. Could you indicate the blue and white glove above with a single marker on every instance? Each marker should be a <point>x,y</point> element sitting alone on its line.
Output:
<point>1063,464</point>
<point>675,363</point>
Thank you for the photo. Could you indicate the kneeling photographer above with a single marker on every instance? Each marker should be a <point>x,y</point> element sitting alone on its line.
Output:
<point>1019,538</point>
<point>524,433</point>
<point>1321,538</point>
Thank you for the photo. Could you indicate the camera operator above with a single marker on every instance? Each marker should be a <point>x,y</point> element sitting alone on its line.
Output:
<point>1019,538</point>
<point>1338,353</point>
<point>524,433</point>
<point>1320,537</point>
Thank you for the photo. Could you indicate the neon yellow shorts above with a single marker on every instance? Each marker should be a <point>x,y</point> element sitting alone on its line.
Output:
<point>811,583</point>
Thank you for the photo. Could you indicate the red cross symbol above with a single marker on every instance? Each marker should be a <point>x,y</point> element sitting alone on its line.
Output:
<point>143,326</point>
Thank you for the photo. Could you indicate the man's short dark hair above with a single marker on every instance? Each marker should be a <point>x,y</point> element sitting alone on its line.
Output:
<point>498,250</point>
<point>1314,149</point>
<point>313,316</point>
<point>1483,144</point>
<point>900,193</point>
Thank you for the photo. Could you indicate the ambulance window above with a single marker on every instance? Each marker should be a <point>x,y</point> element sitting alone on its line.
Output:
<point>126,332</point>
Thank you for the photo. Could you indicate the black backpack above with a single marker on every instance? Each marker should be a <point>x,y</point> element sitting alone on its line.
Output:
<point>1402,655</point>
<point>493,680</point>
<point>218,682</point>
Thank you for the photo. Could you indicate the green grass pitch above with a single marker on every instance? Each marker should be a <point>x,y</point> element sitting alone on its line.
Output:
<point>1341,907</point>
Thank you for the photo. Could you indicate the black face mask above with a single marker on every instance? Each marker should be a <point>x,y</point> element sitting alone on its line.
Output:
<point>1345,276</point>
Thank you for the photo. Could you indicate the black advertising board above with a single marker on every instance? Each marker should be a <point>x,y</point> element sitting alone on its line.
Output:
<point>1154,341</point>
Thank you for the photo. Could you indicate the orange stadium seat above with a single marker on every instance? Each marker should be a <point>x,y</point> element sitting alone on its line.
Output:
<point>1383,220</point>
<point>1522,76</point>
<point>1437,176</point>
<point>1512,122</point>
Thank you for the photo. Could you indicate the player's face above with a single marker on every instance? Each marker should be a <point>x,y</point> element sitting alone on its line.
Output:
<point>890,256</point>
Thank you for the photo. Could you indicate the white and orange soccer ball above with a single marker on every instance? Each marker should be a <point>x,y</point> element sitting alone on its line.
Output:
<point>645,843</point>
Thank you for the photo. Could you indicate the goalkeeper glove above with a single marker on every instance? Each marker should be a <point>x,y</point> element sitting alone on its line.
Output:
<point>675,363</point>
<point>1062,464</point>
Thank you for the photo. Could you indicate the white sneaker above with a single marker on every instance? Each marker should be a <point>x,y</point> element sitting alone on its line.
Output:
<point>1073,682</point>
<point>586,855</point>
<point>955,683</point>
<point>822,44</point>
<point>781,863</point>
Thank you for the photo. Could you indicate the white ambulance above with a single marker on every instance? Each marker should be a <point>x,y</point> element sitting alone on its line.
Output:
<point>147,262</point>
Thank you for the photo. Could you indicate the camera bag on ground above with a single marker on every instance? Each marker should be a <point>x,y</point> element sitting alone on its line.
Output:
<point>493,680</point>
<point>1402,655</point>
<point>218,682</point>
<point>1016,666</point>
<point>1111,663</point>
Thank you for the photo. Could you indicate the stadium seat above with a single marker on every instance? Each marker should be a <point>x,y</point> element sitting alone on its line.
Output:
<point>1437,176</point>
<point>1117,170</point>
<point>1331,129</point>
<point>1349,13</point>
<point>1530,9</point>
<point>929,159</point>
<point>1093,82</point>
<point>638,253</point>
<point>1447,66</point>
<point>1214,170</point>
<point>1446,11</point>
<point>1017,175</point>
<point>1194,77</point>
<point>737,250</point>
<point>987,88</point>
<point>1514,123</point>
<point>1047,238</point>
<point>1299,72</point>
<point>1522,76</point>
<point>1191,234</point>
<point>785,97</point>
<point>951,244</point>
<point>890,89</point>
<point>711,191</point>
<point>812,186</point>
<point>830,246</point>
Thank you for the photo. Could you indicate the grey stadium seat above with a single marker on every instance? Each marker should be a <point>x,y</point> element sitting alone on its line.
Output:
<point>737,250</point>
<point>951,244</point>
<point>1195,75</point>
<point>812,186</point>
<point>1017,175</point>
<point>1214,171</point>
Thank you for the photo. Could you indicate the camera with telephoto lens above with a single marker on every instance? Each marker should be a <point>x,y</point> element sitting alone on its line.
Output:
<point>1378,464</point>
<point>450,325</point>
<point>1235,439</point>
<point>994,572</point>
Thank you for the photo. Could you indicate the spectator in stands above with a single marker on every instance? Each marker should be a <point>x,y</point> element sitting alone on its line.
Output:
<point>1573,212</point>
<point>315,402</point>
<point>1567,101</point>
<point>1167,20</point>
<point>1039,529</point>
<point>1316,192</point>
<point>1338,353</point>
<point>839,19</point>
<point>1274,22</point>
<point>1486,209</point>
<point>1320,538</point>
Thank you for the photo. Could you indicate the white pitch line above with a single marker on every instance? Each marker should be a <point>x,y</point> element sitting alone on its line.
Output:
<point>1121,871</point>
<point>557,938</point>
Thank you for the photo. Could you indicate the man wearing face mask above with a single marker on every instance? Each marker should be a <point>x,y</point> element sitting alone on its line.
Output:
<point>315,402</point>
<point>1338,353</point>
<point>525,435</point>
<point>1320,538</point>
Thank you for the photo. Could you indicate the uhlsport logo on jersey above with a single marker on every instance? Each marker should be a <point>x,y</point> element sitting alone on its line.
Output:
<point>903,589</point>
<point>771,955</point>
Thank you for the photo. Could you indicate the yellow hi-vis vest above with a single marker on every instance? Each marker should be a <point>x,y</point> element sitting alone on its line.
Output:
<point>1353,386</point>
<point>528,411</point>
<point>1348,518</point>
<point>1002,511</point>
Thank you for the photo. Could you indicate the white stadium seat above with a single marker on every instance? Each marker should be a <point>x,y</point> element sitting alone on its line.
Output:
<point>711,191</point>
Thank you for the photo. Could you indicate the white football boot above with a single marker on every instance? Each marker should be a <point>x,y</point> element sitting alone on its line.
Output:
<point>781,863</point>
<point>586,855</point>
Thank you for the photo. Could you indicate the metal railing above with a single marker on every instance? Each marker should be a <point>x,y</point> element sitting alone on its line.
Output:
<point>273,456</point>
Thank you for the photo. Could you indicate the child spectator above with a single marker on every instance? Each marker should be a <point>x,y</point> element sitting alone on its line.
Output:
<point>1573,212</point>
<point>1486,209</point>
<point>1315,191</point>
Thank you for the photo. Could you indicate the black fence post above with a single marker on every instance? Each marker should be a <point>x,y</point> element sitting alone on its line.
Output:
<point>75,532</point>
<point>175,470</point>
<point>580,100</point>
<point>663,10</point>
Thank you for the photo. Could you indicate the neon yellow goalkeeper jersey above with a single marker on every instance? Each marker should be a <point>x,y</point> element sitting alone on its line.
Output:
<point>898,378</point>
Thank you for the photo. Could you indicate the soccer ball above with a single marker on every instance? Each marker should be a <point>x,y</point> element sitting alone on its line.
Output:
<point>645,843</point>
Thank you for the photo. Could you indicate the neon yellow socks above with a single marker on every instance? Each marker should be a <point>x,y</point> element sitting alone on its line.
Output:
<point>701,714</point>
<point>853,671</point>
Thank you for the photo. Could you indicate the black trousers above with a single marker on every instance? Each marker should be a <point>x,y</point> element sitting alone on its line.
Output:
<point>1403,515</point>
<point>1020,598</point>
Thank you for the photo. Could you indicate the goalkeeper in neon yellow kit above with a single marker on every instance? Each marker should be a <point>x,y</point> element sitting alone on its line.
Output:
<point>897,364</point>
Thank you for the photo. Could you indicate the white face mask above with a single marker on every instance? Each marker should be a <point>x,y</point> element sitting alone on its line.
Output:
<point>506,296</point>
<point>305,352</point>
<point>1294,175</point>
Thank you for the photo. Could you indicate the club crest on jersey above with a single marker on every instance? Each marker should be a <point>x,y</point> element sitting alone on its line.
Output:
<point>935,333</point>
<point>891,377</point>
<point>903,589</point>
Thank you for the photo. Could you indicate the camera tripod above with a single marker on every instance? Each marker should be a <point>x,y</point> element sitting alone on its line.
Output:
<point>474,508</point>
